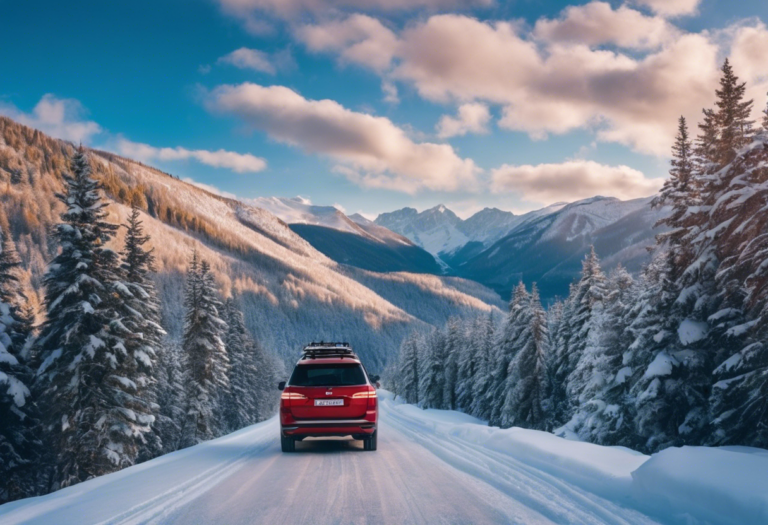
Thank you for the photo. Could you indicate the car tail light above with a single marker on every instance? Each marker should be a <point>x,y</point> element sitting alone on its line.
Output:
<point>286,397</point>
<point>370,395</point>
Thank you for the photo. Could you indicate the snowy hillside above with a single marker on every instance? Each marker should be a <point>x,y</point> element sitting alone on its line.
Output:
<point>289,292</point>
<point>432,466</point>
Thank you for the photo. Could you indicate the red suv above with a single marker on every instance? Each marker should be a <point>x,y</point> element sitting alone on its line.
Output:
<point>328,394</point>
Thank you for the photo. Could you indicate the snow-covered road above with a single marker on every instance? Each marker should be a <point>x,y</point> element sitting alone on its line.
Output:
<point>431,467</point>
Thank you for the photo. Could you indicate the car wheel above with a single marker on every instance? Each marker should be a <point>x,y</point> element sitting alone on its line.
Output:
<point>371,442</point>
<point>287,444</point>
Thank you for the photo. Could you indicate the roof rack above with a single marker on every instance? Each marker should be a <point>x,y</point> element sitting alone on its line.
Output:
<point>322,349</point>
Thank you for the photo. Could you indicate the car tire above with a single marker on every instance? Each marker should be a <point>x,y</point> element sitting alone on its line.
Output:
<point>287,444</point>
<point>371,443</point>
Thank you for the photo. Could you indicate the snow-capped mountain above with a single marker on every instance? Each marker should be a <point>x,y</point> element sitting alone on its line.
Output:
<point>499,248</point>
<point>355,241</point>
<point>436,229</point>
<point>548,249</point>
<point>289,291</point>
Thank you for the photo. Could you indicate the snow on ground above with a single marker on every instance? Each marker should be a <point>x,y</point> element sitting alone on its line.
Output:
<point>432,466</point>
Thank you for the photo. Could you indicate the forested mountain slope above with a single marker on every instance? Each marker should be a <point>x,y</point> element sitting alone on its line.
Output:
<point>289,292</point>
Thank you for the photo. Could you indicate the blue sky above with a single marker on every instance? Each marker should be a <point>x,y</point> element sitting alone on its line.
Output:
<point>561,100</point>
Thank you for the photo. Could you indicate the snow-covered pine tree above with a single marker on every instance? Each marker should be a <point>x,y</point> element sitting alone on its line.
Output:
<point>140,310</point>
<point>205,376</point>
<point>433,371</point>
<point>603,412</point>
<point>85,380</point>
<point>170,396</point>
<point>240,401</point>
<point>268,371</point>
<point>469,363</point>
<point>526,396</point>
<point>707,311</point>
<point>579,322</point>
<point>408,369</point>
<point>19,443</point>
<point>454,346</point>
<point>739,398</point>
<point>482,348</point>
<point>505,351</point>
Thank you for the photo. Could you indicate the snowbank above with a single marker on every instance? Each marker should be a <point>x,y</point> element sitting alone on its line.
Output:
<point>705,485</point>
<point>689,485</point>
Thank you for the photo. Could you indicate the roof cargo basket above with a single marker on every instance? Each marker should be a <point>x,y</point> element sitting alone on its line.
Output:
<point>322,349</point>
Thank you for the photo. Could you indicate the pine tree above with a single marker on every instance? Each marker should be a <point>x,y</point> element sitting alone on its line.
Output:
<point>739,398</point>
<point>205,375</point>
<point>603,414</point>
<point>470,354</point>
<point>526,398</point>
<point>433,372</point>
<point>408,369</point>
<point>93,420</point>
<point>240,401</point>
<point>170,394</point>
<point>19,444</point>
<point>576,333</point>
<point>141,317</point>
<point>732,115</point>
<point>454,346</point>
<point>505,352</point>
<point>482,345</point>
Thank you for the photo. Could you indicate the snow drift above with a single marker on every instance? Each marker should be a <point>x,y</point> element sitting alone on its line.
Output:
<point>688,485</point>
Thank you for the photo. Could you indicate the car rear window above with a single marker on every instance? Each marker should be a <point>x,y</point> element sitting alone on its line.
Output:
<point>328,375</point>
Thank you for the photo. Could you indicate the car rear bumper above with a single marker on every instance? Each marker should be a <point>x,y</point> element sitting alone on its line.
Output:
<point>328,427</point>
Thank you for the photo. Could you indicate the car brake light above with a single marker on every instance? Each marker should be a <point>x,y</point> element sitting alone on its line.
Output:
<point>286,397</point>
<point>370,395</point>
<point>358,395</point>
<point>292,395</point>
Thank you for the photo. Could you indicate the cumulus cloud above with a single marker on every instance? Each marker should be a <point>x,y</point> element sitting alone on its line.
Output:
<point>358,39</point>
<point>627,99</point>
<point>245,58</point>
<point>237,162</point>
<point>597,23</point>
<point>748,57</point>
<point>671,7</point>
<point>471,118</point>
<point>371,151</point>
<point>572,180</point>
<point>59,117</point>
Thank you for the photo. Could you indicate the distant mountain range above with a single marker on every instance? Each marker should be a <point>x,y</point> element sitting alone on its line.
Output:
<point>493,247</point>
<point>499,248</point>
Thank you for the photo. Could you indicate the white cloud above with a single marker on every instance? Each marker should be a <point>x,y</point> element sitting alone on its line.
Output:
<point>749,46</point>
<point>341,208</point>
<point>626,99</point>
<point>671,7</point>
<point>62,118</point>
<point>471,118</point>
<point>597,23</point>
<point>372,151</point>
<point>358,39</point>
<point>237,162</point>
<point>390,92</point>
<point>572,180</point>
<point>245,58</point>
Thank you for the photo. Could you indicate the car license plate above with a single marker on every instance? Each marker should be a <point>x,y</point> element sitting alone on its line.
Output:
<point>329,402</point>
